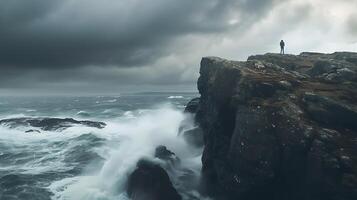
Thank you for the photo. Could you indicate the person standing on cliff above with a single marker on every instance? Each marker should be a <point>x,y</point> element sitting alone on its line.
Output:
<point>282,47</point>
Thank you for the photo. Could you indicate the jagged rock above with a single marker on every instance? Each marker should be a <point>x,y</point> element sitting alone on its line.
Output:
<point>185,179</point>
<point>279,126</point>
<point>192,106</point>
<point>149,181</point>
<point>163,153</point>
<point>192,134</point>
<point>48,124</point>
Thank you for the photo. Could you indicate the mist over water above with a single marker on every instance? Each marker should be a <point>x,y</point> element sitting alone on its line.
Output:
<point>89,163</point>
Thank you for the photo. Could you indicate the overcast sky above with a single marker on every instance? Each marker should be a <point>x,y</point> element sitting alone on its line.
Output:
<point>111,46</point>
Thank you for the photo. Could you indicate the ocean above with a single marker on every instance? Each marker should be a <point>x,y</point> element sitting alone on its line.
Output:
<point>75,161</point>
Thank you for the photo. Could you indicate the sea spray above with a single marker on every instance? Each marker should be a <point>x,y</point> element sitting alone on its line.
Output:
<point>81,162</point>
<point>129,139</point>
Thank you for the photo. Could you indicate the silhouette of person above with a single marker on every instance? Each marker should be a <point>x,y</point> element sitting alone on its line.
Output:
<point>282,47</point>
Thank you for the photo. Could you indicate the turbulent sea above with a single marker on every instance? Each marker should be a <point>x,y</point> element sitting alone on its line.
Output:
<point>81,162</point>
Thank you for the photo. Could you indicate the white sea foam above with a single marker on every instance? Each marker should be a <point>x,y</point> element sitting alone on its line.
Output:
<point>129,114</point>
<point>18,115</point>
<point>107,101</point>
<point>129,137</point>
<point>128,141</point>
<point>175,97</point>
<point>111,101</point>
<point>82,113</point>
<point>34,148</point>
<point>107,111</point>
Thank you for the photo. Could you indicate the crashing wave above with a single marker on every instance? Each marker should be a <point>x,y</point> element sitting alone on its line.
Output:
<point>175,97</point>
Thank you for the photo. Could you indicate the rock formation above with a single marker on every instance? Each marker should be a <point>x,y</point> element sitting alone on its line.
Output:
<point>161,152</point>
<point>279,126</point>
<point>192,106</point>
<point>48,124</point>
<point>192,134</point>
<point>149,181</point>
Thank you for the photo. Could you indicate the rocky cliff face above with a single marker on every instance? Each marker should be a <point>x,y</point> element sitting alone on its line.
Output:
<point>280,126</point>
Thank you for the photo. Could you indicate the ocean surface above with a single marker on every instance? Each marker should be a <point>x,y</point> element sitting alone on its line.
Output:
<point>81,162</point>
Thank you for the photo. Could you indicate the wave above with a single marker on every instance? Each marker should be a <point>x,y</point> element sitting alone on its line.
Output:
<point>83,113</point>
<point>175,97</point>
<point>107,101</point>
<point>88,163</point>
<point>111,101</point>
<point>126,143</point>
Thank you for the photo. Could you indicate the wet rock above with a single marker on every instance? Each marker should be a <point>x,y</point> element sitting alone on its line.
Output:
<point>192,106</point>
<point>163,153</point>
<point>279,126</point>
<point>186,180</point>
<point>149,181</point>
<point>188,128</point>
<point>49,124</point>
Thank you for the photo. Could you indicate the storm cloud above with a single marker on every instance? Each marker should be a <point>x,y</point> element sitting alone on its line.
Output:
<point>88,44</point>
<point>68,33</point>
<point>352,25</point>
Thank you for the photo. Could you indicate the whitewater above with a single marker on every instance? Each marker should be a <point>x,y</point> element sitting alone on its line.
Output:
<point>81,162</point>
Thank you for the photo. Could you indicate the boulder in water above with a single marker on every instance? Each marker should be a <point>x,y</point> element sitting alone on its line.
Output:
<point>49,124</point>
<point>163,153</point>
<point>149,181</point>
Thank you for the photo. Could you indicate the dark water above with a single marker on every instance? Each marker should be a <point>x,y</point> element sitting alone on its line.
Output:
<point>85,162</point>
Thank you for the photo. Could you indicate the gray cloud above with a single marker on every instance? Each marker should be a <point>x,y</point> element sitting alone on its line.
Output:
<point>59,40</point>
<point>90,43</point>
<point>64,33</point>
<point>352,25</point>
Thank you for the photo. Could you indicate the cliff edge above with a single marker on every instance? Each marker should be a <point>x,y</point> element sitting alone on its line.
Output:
<point>279,126</point>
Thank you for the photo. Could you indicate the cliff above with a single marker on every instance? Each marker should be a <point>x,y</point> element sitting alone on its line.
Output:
<point>279,126</point>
